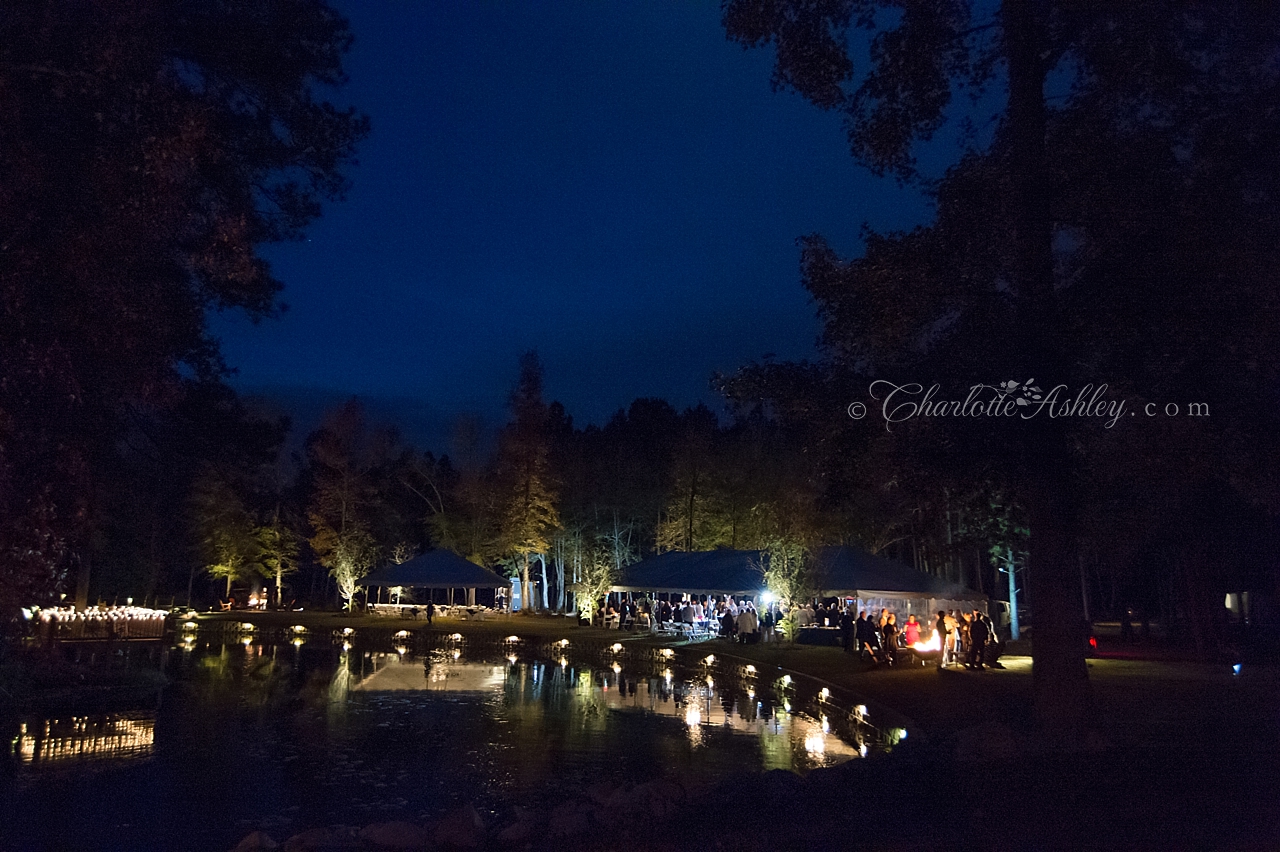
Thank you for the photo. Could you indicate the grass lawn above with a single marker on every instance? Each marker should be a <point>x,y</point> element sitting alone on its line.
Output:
<point>1140,703</point>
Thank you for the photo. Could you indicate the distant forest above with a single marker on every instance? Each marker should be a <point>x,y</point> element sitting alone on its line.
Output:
<point>209,505</point>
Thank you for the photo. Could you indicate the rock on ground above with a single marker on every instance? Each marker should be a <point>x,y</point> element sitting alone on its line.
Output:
<point>463,829</point>
<point>318,839</point>
<point>396,835</point>
<point>255,842</point>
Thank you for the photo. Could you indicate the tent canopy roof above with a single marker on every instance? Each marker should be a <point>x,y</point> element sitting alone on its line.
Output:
<point>840,570</point>
<point>854,571</point>
<point>720,572</point>
<point>436,569</point>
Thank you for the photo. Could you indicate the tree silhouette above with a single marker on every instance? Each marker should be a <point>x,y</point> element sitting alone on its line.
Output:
<point>530,513</point>
<point>147,151</point>
<point>1083,239</point>
<point>342,497</point>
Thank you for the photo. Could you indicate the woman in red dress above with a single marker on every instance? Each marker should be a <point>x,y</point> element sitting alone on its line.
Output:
<point>911,630</point>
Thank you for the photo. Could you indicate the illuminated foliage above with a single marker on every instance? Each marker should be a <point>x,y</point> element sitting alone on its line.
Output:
<point>277,552</point>
<point>342,492</point>
<point>225,527</point>
<point>530,513</point>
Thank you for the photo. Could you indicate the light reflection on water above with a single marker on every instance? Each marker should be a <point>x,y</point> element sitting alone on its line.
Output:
<point>787,740</point>
<point>69,739</point>
<point>325,733</point>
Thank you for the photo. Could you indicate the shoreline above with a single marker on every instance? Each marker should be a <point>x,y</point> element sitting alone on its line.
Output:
<point>1163,722</point>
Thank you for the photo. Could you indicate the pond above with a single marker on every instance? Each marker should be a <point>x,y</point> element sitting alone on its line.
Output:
<point>288,735</point>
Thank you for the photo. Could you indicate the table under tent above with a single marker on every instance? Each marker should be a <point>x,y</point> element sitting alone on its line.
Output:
<point>435,569</point>
<point>675,575</point>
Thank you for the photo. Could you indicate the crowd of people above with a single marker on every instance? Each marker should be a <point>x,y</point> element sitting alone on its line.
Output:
<point>726,616</point>
<point>967,638</point>
<point>969,633</point>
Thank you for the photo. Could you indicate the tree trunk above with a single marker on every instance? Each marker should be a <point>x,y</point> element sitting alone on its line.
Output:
<point>949,565</point>
<point>1060,679</point>
<point>1014,633</point>
<point>82,583</point>
<point>1195,612</point>
<point>560,590</point>
<point>153,560</point>
<point>542,564</point>
<point>526,588</point>
<point>693,493</point>
<point>1084,591</point>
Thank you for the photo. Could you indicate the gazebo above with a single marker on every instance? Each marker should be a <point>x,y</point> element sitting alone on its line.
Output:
<point>437,569</point>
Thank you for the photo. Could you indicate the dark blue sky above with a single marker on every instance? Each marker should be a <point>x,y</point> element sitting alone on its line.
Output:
<point>615,185</point>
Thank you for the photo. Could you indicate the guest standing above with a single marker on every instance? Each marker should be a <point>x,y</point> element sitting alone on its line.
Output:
<point>943,632</point>
<point>911,630</point>
<point>978,635</point>
<point>889,638</point>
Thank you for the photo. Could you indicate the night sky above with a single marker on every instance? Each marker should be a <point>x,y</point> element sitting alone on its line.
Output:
<point>616,186</point>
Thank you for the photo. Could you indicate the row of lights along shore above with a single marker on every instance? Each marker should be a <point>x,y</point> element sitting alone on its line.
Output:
<point>858,713</point>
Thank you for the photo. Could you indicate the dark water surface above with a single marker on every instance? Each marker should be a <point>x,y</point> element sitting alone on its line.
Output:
<point>285,736</point>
